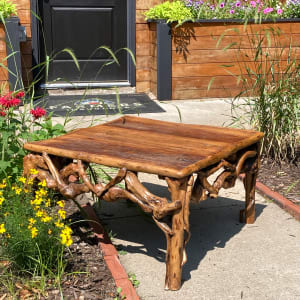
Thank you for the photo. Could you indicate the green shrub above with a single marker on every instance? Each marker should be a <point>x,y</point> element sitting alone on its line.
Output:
<point>7,9</point>
<point>18,126</point>
<point>170,11</point>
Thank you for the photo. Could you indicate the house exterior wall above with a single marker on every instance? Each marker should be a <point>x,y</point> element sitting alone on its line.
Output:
<point>145,46</point>
<point>24,14</point>
<point>3,71</point>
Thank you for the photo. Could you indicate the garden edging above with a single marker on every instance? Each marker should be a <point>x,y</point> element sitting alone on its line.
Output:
<point>280,200</point>
<point>110,255</point>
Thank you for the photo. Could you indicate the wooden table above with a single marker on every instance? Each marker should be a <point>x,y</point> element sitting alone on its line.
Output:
<point>183,155</point>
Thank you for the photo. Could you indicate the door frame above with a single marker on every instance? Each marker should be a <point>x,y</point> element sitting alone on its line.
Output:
<point>131,44</point>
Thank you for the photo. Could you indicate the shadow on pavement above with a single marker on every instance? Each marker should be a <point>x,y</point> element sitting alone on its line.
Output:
<point>212,223</point>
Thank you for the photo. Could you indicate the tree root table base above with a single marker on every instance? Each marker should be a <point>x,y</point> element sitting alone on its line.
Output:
<point>186,170</point>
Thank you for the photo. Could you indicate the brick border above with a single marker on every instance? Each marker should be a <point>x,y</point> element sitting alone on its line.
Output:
<point>292,208</point>
<point>110,255</point>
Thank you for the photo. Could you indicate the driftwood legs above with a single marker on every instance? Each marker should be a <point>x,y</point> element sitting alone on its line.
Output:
<point>172,217</point>
<point>180,189</point>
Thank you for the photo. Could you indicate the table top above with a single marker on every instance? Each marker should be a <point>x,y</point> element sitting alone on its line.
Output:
<point>151,146</point>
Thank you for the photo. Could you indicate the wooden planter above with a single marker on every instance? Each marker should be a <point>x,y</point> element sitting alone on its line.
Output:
<point>11,34</point>
<point>186,58</point>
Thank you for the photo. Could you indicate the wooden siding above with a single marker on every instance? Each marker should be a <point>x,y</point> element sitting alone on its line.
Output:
<point>198,55</point>
<point>24,14</point>
<point>145,48</point>
<point>3,71</point>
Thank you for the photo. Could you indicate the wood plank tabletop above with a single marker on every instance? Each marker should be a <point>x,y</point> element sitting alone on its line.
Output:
<point>151,146</point>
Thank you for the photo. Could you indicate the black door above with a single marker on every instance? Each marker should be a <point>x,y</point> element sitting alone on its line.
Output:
<point>84,26</point>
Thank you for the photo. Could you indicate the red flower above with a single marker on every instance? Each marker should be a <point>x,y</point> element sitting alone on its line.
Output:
<point>38,112</point>
<point>7,101</point>
<point>20,94</point>
<point>2,113</point>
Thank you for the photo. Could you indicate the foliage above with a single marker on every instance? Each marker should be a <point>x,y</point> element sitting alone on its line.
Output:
<point>292,9</point>
<point>258,10</point>
<point>271,88</point>
<point>19,126</point>
<point>171,11</point>
<point>33,235</point>
<point>7,9</point>
<point>133,280</point>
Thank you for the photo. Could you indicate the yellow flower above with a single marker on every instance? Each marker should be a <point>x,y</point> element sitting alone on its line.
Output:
<point>30,181</point>
<point>31,220</point>
<point>6,214</point>
<point>43,183</point>
<point>39,213</point>
<point>59,224</point>
<point>61,203</point>
<point>49,231</point>
<point>33,171</point>
<point>2,228</point>
<point>34,232</point>
<point>46,219</point>
<point>22,179</point>
<point>66,236</point>
<point>3,184</point>
<point>62,213</point>
<point>48,203</point>
<point>8,235</point>
<point>1,200</point>
<point>18,191</point>
<point>26,191</point>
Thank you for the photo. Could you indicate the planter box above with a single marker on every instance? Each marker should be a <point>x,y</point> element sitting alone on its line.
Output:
<point>11,34</point>
<point>194,53</point>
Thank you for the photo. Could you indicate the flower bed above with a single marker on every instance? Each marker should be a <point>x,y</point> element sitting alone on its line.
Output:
<point>212,57</point>
<point>209,57</point>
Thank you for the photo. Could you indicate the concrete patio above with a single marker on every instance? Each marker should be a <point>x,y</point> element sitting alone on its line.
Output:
<point>226,259</point>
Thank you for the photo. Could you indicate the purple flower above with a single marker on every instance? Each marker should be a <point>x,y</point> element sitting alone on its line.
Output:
<point>222,4</point>
<point>237,4</point>
<point>189,3</point>
<point>231,11</point>
<point>253,3</point>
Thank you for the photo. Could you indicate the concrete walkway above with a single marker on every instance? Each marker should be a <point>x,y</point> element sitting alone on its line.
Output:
<point>226,259</point>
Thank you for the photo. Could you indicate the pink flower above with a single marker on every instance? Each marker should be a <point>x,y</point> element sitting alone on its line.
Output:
<point>231,11</point>
<point>268,10</point>
<point>38,112</point>
<point>279,11</point>
<point>253,3</point>
<point>20,94</point>
<point>222,4</point>
<point>238,4</point>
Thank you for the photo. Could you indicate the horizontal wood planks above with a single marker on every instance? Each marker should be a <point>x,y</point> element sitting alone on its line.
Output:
<point>24,14</point>
<point>139,144</point>
<point>145,48</point>
<point>3,71</point>
<point>205,51</point>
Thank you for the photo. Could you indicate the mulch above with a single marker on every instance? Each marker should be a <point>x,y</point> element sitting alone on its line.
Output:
<point>283,178</point>
<point>86,276</point>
